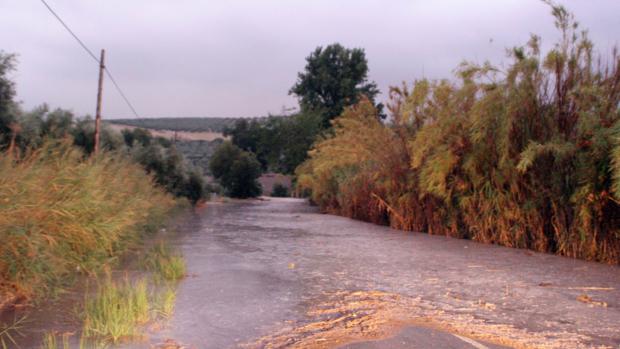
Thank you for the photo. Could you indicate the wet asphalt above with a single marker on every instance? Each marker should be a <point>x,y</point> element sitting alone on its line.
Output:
<point>256,267</point>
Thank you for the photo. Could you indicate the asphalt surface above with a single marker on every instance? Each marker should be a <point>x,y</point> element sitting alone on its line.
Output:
<point>422,338</point>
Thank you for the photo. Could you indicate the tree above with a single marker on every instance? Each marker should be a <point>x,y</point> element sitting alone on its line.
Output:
<point>280,143</point>
<point>7,93</point>
<point>236,170</point>
<point>334,78</point>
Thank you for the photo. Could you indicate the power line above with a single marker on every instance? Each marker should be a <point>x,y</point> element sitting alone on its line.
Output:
<point>120,91</point>
<point>91,54</point>
<point>71,31</point>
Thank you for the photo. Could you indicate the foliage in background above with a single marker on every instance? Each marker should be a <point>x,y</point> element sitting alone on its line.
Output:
<point>280,143</point>
<point>280,191</point>
<point>61,212</point>
<point>334,78</point>
<point>22,132</point>
<point>161,159</point>
<point>198,153</point>
<point>7,106</point>
<point>236,170</point>
<point>525,157</point>
<point>195,124</point>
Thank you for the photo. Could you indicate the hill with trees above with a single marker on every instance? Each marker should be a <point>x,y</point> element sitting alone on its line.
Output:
<point>189,124</point>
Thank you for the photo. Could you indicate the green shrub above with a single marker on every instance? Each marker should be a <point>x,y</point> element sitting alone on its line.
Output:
<point>236,170</point>
<point>116,311</point>
<point>280,190</point>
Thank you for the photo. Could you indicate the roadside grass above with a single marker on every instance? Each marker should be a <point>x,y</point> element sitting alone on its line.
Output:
<point>165,264</point>
<point>165,303</point>
<point>62,214</point>
<point>50,341</point>
<point>116,311</point>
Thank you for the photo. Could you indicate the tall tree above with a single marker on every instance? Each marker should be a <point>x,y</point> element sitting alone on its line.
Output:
<point>334,77</point>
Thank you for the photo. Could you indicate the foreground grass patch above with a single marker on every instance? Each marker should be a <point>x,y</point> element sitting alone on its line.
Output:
<point>166,264</point>
<point>117,310</point>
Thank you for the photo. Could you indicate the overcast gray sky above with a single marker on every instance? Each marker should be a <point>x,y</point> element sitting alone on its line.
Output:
<point>239,58</point>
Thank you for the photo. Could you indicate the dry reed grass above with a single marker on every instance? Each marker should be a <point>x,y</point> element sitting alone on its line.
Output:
<point>62,214</point>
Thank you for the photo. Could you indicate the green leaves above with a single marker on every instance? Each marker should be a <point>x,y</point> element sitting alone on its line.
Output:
<point>334,77</point>
<point>236,170</point>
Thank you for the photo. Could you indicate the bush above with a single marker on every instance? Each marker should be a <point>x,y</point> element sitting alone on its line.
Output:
<point>236,170</point>
<point>280,191</point>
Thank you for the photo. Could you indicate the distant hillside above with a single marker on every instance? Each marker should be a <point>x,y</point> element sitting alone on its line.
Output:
<point>194,124</point>
<point>172,135</point>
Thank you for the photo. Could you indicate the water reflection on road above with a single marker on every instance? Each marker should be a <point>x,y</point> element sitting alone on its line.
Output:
<point>277,274</point>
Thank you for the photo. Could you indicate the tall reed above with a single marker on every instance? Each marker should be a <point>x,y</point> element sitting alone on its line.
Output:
<point>62,214</point>
<point>527,156</point>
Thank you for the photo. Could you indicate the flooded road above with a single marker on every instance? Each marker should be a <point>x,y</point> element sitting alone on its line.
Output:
<point>277,274</point>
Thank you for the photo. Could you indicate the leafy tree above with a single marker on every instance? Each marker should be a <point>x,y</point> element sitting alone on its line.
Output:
<point>236,170</point>
<point>137,136</point>
<point>334,77</point>
<point>280,143</point>
<point>195,188</point>
<point>7,93</point>
<point>83,134</point>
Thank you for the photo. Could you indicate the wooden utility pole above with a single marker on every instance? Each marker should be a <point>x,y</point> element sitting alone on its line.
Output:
<point>99,95</point>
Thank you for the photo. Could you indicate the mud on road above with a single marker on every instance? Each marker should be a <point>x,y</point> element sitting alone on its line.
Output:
<point>277,274</point>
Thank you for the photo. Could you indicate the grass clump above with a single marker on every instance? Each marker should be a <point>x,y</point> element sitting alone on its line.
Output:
<point>117,310</point>
<point>50,341</point>
<point>164,263</point>
<point>62,213</point>
<point>164,305</point>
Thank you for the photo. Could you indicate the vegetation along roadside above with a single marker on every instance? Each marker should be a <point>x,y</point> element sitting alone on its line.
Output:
<point>66,213</point>
<point>524,156</point>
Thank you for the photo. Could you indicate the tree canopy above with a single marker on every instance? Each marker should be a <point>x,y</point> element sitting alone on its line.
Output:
<point>334,78</point>
<point>280,143</point>
<point>236,170</point>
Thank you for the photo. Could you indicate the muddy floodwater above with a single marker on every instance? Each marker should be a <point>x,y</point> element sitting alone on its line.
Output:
<point>278,274</point>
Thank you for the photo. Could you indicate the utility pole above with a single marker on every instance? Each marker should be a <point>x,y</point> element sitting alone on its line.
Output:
<point>99,95</point>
